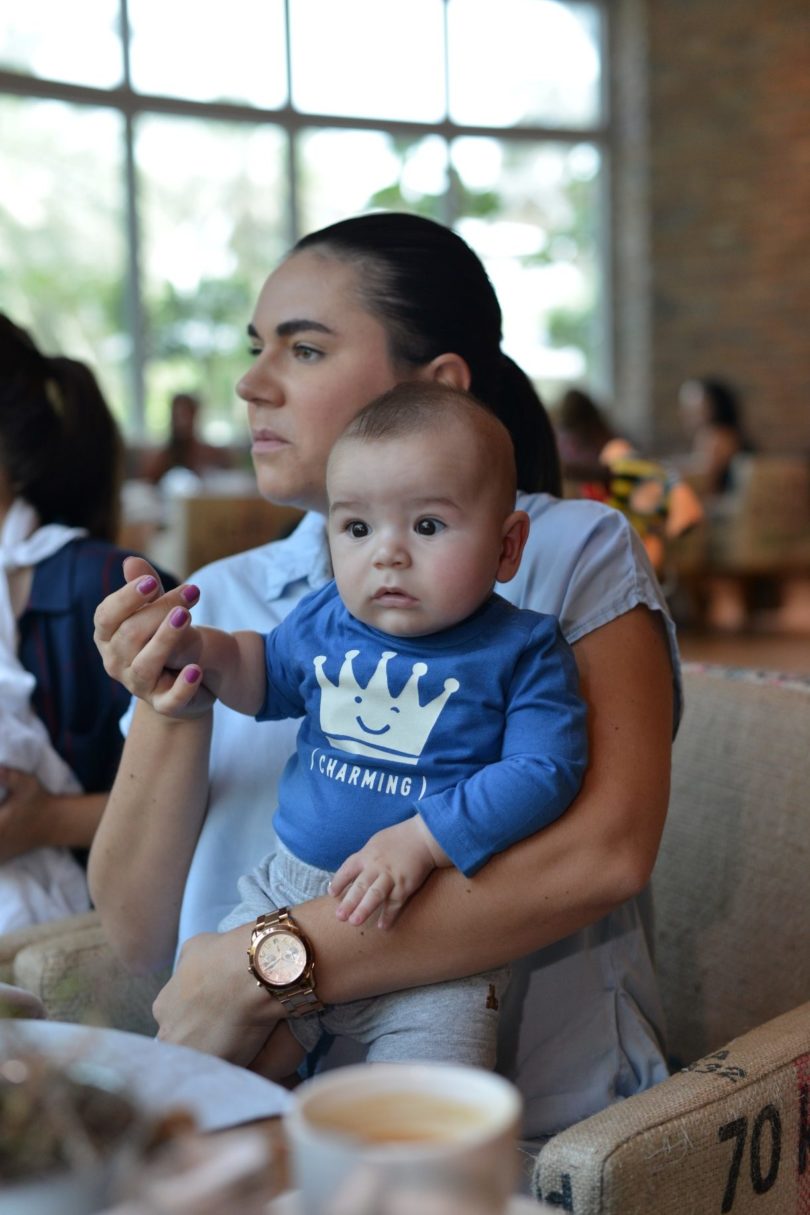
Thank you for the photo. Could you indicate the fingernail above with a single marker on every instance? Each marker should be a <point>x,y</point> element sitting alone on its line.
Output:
<point>178,618</point>
<point>147,585</point>
<point>192,674</point>
<point>190,593</point>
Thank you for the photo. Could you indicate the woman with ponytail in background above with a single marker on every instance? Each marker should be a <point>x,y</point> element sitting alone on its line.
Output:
<point>60,468</point>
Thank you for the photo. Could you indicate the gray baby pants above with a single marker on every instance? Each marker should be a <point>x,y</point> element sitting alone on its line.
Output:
<point>454,1022</point>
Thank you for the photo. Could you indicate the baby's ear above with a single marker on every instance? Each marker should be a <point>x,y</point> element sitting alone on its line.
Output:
<point>514,537</point>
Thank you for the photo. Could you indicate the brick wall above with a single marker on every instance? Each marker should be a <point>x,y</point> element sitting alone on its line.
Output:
<point>712,210</point>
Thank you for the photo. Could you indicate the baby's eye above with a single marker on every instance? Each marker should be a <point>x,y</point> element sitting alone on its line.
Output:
<point>428,527</point>
<point>357,529</point>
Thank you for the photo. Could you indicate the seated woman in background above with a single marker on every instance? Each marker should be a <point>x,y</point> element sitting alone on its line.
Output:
<point>710,413</point>
<point>183,448</point>
<point>599,464</point>
<point>61,458</point>
<point>582,431</point>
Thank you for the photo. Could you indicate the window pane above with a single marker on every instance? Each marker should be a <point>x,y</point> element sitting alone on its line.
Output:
<point>213,205</point>
<point>346,172</point>
<point>62,235</point>
<point>538,63</point>
<point>531,213</point>
<point>77,43</point>
<point>209,51</point>
<point>368,59</point>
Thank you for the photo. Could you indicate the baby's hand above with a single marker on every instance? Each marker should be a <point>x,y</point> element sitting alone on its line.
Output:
<point>384,873</point>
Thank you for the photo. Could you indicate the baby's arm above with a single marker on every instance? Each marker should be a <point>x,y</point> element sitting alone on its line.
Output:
<point>386,872</point>
<point>231,666</point>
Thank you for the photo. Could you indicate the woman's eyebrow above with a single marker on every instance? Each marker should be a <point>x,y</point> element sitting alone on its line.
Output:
<point>288,328</point>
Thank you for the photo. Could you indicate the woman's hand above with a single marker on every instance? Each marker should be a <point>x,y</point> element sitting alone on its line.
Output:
<point>23,813</point>
<point>213,1003</point>
<point>137,632</point>
<point>32,817</point>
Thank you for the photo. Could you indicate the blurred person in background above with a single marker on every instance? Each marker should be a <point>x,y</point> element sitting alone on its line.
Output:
<point>582,430</point>
<point>61,459</point>
<point>711,417</point>
<point>184,448</point>
<point>600,464</point>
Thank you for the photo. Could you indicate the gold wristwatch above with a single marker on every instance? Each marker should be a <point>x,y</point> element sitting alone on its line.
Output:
<point>281,959</point>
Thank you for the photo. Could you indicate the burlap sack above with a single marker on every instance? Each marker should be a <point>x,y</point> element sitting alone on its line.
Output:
<point>729,1134</point>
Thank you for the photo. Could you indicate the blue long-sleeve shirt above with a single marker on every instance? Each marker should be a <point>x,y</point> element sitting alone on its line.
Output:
<point>479,728</point>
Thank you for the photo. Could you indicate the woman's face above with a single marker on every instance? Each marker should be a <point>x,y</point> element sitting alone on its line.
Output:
<point>319,357</point>
<point>693,405</point>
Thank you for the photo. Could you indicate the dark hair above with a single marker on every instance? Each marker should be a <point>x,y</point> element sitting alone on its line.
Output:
<point>724,402</point>
<point>578,413</point>
<point>415,406</point>
<point>432,294</point>
<point>60,446</point>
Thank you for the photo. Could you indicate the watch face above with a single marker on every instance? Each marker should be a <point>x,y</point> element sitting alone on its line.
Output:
<point>280,958</point>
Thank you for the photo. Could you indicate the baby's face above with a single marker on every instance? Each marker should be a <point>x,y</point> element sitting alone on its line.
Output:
<point>415,530</point>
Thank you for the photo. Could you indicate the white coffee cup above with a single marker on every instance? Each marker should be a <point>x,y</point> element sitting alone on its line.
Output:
<point>399,1137</point>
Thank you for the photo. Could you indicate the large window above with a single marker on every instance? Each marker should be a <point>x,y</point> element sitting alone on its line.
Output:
<point>158,159</point>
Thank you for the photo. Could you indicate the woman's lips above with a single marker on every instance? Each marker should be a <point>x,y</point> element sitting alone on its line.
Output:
<point>266,440</point>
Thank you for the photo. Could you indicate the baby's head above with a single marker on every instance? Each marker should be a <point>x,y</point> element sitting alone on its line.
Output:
<point>422,519</point>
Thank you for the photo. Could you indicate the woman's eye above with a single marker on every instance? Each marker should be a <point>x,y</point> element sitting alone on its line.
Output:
<point>305,354</point>
<point>357,529</point>
<point>428,527</point>
<point>254,351</point>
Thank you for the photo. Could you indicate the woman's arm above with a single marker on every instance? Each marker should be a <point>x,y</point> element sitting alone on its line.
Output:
<point>143,847</point>
<point>598,854</point>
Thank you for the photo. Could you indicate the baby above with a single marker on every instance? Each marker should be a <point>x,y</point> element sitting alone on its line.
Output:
<point>440,723</point>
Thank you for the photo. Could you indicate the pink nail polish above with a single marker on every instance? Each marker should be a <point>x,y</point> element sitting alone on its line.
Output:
<point>178,618</point>
<point>192,675</point>
<point>190,593</point>
<point>147,585</point>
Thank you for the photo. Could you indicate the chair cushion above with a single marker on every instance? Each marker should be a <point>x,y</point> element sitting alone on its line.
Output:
<point>79,979</point>
<point>729,1134</point>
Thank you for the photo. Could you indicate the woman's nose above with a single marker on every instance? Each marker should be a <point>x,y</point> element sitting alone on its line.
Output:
<point>258,384</point>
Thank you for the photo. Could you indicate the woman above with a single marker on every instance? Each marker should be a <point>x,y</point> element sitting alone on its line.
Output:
<point>183,448</point>
<point>711,416</point>
<point>352,310</point>
<point>60,466</point>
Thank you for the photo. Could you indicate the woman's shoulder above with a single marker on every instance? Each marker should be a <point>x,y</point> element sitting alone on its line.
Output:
<point>101,562</point>
<point>79,575</point>
<point>303,554</point>
<point>583,563</point>
<point>558,523</point>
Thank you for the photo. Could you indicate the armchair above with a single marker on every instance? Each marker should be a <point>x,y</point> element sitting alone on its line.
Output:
<point>730,1132</point>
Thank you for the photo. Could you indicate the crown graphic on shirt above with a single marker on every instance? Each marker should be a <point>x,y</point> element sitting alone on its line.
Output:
<point>370,720</point>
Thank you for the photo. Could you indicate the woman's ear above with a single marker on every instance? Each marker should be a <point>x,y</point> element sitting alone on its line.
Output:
<point>515,535</point>
<point>450,369</point>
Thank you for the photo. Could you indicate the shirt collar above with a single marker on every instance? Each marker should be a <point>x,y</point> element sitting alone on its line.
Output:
<point>302,556</point>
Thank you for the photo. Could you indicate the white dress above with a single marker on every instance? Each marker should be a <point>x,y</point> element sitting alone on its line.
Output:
<point>45,883</point>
